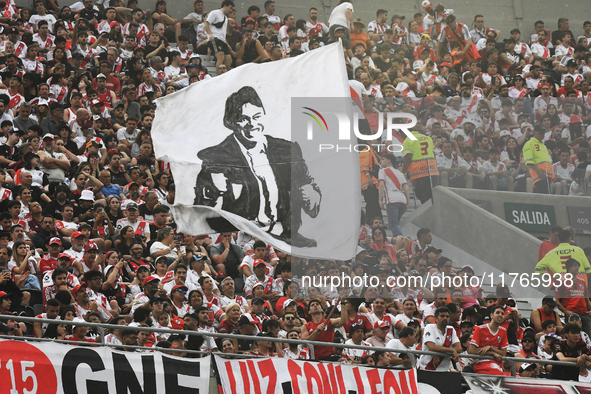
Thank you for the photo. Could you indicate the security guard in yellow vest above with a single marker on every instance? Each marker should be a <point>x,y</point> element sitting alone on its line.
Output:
<point>420,163</point>
<point>538,160</point>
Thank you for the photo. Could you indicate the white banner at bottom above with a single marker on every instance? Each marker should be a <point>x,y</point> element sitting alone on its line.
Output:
<point>283,375</point>
<point>50,368</point>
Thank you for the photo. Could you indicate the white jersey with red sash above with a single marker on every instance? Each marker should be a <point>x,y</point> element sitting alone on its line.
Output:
<point>142,32</point>
<point>393,183</point>
<point>89,55</point>
<point>433,335</point>
<point>117,66</point>
<point>15,99</point>
<point>34,66</point>
<point>140,227</point>
<point>252,281</point>
<point>5,194</point>
<point>7,11</point>
<point>316,29</point>
<point>515,93</point>
<point>59,93</point>
<point>44,43</point>
<point>540,50</point>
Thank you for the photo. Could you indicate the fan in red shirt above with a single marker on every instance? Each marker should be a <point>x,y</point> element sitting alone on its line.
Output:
<point>322,330</point>
<point>490,340</point>
<point>574,298</point>
<point>549,244</point>
<point>354,318</point>
<point>49,261</point>
<point>79,333</point>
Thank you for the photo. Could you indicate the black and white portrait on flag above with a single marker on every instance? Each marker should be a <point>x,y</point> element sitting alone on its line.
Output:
<point>252,174</point>
<point>237,162</point>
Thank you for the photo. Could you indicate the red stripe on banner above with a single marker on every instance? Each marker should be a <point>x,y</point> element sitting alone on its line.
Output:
<point>373,378</point>
<point>231,377</point>
<point>267,369</point>
<point>294,372</point>
<point>245,379</point>
<point>358,381</point>
<point>333,378</point>
<point>325,380</point>
<point>413,381</point>
<point>256,385</point>
<point>403,382</point>
<point>340,379</point>
<point>311,375</point>
<point>391,383</point>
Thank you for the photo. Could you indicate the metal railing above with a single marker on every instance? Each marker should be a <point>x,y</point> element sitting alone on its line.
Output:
<point>100,327</point>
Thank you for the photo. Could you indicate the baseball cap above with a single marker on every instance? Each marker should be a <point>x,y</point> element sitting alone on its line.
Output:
<point>90,246</point>
<point>77,234</point>
<point>425,35</point>
<point>381,324</point>
<point>95,102</point>
<point>468,266</point>
<point>426,4</point>
<point>551,336</point>
<point>192,65</point>
<point>444,64</point>
<point>529,332</point>
<point>504,133</point>
<point>257,300</point>
<point>3,294</point>
<point>131,206</point>
<point>257,283</point>
<point>64,256</point>
<point>549,300</point>
<point>470,311</point>
<point>163,258</point>
<point>574,316</point>
<point>288,302</point>
<point>526,366</point>
<point>149,279</point>
<point>101,75</point>
<point>247,319</point>
<point>414,322</point>
<point>258,262</point>
<point>42,102</point>
<point>503,292</point>
<point>96,117</point>
<point>356,327</point>
<point>76,289</point>
<point>48,136</point>
<point>575,119</point>
<point>78,320</point>
<point>179,287</point>
<point>55,240</point>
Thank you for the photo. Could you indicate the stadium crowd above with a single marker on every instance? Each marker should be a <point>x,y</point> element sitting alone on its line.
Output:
<point>87,231</point>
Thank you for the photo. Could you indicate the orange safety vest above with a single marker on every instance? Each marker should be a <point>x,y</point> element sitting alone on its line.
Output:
<point>367,160</point>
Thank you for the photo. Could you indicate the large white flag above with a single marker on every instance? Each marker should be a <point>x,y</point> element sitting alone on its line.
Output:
<point>244,156</point>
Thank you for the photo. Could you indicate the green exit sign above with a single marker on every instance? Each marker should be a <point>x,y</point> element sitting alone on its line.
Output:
<point>530,217</point>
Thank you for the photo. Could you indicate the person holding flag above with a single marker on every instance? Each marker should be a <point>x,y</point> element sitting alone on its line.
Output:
<point>538,160</point>
<point>420,164</point>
